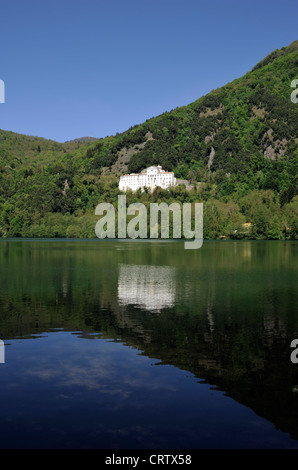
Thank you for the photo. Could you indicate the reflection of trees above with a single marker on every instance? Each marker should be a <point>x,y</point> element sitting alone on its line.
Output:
<point>236,359</point>
<point>225,312</point>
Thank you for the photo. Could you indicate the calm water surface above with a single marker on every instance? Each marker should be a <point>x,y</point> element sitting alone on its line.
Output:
<point>119,345</point>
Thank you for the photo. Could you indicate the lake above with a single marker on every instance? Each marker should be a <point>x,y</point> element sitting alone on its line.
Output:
<point>146,345</point>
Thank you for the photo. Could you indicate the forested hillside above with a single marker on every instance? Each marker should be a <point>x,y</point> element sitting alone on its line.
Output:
<point>240,142</point>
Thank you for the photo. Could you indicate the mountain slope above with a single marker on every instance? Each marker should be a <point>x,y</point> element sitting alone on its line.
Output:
<point>245,132</point>
<point>240,141</point>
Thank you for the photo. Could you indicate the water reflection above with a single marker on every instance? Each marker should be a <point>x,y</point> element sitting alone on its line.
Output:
<point>149,287</point>
<point>227,315</point>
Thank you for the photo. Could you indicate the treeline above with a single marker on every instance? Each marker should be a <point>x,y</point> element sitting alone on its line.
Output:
<point>52,204</point>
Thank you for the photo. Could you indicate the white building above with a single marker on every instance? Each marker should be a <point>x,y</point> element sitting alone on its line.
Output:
<point>150,177</point>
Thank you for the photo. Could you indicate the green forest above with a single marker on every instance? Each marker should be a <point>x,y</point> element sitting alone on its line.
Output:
<point>237,146</point>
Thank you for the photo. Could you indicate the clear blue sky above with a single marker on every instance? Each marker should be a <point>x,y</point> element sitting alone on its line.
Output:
<point>96,67</point>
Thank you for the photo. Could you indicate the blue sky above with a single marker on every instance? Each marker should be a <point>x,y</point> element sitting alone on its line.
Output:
<point>96,67</point>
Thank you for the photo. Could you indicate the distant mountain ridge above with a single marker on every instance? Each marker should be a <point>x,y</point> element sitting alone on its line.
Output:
<point>83,139</point>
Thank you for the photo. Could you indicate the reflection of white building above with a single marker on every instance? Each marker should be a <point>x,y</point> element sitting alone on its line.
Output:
<point>150,177</point>
<point>149,287</point>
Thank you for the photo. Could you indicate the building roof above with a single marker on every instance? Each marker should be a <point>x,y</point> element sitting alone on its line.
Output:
<point>144,172</point>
